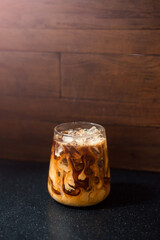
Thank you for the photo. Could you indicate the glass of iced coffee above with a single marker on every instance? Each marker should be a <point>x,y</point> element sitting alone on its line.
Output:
<point>79,173</point>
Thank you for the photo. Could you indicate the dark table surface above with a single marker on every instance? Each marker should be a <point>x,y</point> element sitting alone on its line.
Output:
<point>132,210</point>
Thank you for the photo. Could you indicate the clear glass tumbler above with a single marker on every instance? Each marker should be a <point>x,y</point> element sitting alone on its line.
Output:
<point>79,173</point>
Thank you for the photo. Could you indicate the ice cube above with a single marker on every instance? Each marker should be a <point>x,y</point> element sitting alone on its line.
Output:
<point>67,139</point>
<point>93,130</point>
<point>95,150</point>
<point>80,141</point>
<point>78,164</point>
<point>58,150</point>
<point>63,165</point>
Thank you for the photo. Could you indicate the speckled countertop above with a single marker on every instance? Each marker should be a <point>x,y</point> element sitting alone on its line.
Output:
<point>132,211</point>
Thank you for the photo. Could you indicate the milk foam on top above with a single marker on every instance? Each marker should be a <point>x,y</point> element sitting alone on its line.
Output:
<point>82,136</point>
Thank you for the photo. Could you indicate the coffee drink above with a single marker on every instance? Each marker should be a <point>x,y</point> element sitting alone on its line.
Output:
<point>79,173</point>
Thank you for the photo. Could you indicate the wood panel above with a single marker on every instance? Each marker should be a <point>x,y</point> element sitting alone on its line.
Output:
<point>134,147</point>
<point>129,147</point>
<point>74,60</point>
<point>123,14</point>
<point>29,74</point>
<point>63,110</point>
<point>82,41</point>
<point>133,78</point>
<point>25,139</point>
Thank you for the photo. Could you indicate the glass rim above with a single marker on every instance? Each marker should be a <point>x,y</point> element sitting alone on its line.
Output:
<point>77,122</point>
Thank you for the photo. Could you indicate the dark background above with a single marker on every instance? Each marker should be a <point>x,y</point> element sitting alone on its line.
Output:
<point>73,60</point>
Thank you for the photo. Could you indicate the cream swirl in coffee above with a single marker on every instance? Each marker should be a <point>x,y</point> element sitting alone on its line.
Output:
<point>79,174</point>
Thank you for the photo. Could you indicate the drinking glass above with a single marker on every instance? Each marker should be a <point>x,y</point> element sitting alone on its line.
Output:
<point>79,173</point>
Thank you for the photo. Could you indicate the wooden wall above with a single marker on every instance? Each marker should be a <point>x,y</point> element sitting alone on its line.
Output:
<point>93,60</point>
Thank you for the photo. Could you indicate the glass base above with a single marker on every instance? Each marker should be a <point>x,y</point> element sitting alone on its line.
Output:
<point>81,201</point>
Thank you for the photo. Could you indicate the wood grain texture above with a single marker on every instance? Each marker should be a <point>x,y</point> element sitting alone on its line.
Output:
<point>123,14</point>
<point>90,60</point>
<point>129,147</point>
<point>63,110</point>
<point>29,74</point>
<point>133,79</point>
<point>82,41</point>
<point>134,147</point>
<point>25,139</point>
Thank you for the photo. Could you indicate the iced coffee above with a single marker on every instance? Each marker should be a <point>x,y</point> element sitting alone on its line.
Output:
<point>79,173</point>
